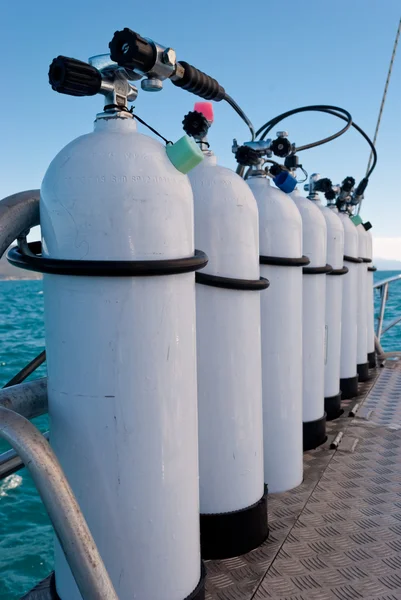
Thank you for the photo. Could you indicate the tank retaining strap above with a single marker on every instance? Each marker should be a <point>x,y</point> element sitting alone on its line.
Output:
<point>372,269</point>
<point>342,271</point>
<point>232,284</point>
<point>104,268</point>
<point>366,260</point>
<point>225,535</point>
<point>352,259</point>
<point>278,261</point>
<point>327,269</point>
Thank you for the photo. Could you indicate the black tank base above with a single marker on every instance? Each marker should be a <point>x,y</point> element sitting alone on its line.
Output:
<point>372,360</point>
<point>46,589</point>
<point>363,371</point>
<point>349,387</point>
<point>225,535</point>
<point>314,433</point>
<point>332,407</point>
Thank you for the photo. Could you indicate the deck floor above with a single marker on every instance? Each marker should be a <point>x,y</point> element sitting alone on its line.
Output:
<point>338,535</point>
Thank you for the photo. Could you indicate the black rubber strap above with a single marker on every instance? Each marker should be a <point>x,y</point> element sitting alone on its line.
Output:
<point>278,261</point>
<point>232,284</point>
<point>342,271</point>
<point>314,433</point>
<point>366,260</point>
<point>372,269</point>
<point>352,259</point>
<point>104,268</point>
<point>332,407</point>
<point>224,535</point>
<point>317,270</point>
<point>349,387</point>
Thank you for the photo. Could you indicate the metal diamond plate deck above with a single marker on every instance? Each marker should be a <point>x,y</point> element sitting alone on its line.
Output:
<point>338,535</point>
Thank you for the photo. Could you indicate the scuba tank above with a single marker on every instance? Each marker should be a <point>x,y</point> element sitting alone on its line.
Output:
<point>313,310</point>
<point>280,238</point>
<point>370,299</point>
<point>335,256</point>
<point>118,260</point>
<point>233,502</point>
<point>348,370</point>
<point>363,296</point>
<point>314,240</point>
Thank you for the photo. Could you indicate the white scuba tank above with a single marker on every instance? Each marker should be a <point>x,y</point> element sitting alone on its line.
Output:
<point>334,289</point>
<point>121,358</point>
<point>232,497</point>
<point>370,300</point>
<point>280,239</point>
<point>362,309</point>
<point>313,309</point>
<point>348,371</point>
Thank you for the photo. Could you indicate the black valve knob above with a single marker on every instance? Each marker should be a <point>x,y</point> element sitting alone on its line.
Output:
<point>276,169</point>
<point>367,225</point>
<point>281,146</point>
<point>347,184</point>
<point>74,77</point>
<point>129,49</point>
<point>330,194</point>
<point>322,185</point>
<point>247,157</point>
<point>195,124</point>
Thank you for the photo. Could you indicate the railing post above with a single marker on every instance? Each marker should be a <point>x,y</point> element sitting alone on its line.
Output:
<point>68,521</point>
<point>384,290</point>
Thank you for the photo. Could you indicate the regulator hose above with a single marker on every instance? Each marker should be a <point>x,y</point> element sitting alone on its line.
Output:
<point>267,127</point>
<point>335,111</point>
<point>241,113</point>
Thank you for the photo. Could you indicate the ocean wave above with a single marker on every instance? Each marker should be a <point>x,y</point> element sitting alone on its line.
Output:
<point>10,483</point>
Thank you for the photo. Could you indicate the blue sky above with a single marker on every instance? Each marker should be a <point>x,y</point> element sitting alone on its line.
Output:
<point>270,57</point>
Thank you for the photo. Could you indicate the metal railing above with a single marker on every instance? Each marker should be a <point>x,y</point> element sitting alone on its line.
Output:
<point>382,327</point>
<point>62,507</point>
<point>20,402</point>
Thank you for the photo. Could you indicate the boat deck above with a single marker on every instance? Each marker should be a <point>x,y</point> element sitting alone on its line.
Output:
<point>338,535</point>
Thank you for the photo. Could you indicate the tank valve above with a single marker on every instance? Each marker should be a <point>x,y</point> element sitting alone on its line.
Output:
<point>101,76</point>
<point>74,77</point>
<point>196,125</point>
<point>246,156</point>
<point>281,146</point>
<point>158,63</point>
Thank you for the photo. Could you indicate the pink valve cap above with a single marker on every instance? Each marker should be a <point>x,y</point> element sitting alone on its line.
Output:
<point>206,108</point>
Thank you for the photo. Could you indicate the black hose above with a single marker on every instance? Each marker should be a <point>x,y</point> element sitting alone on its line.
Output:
<point>264,130</point>
<point>27,370</point>
<point>332,111</point>
<point>241,113</point>
<point>363,134</point>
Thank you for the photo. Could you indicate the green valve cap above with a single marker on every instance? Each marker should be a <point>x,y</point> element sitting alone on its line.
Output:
<point>185,154</point>
<point>356,219</point>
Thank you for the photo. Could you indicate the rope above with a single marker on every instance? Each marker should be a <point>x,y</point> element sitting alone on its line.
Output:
<point>397,37</point>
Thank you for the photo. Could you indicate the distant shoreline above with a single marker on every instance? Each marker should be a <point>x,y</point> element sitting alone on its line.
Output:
<point>15,278</point>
